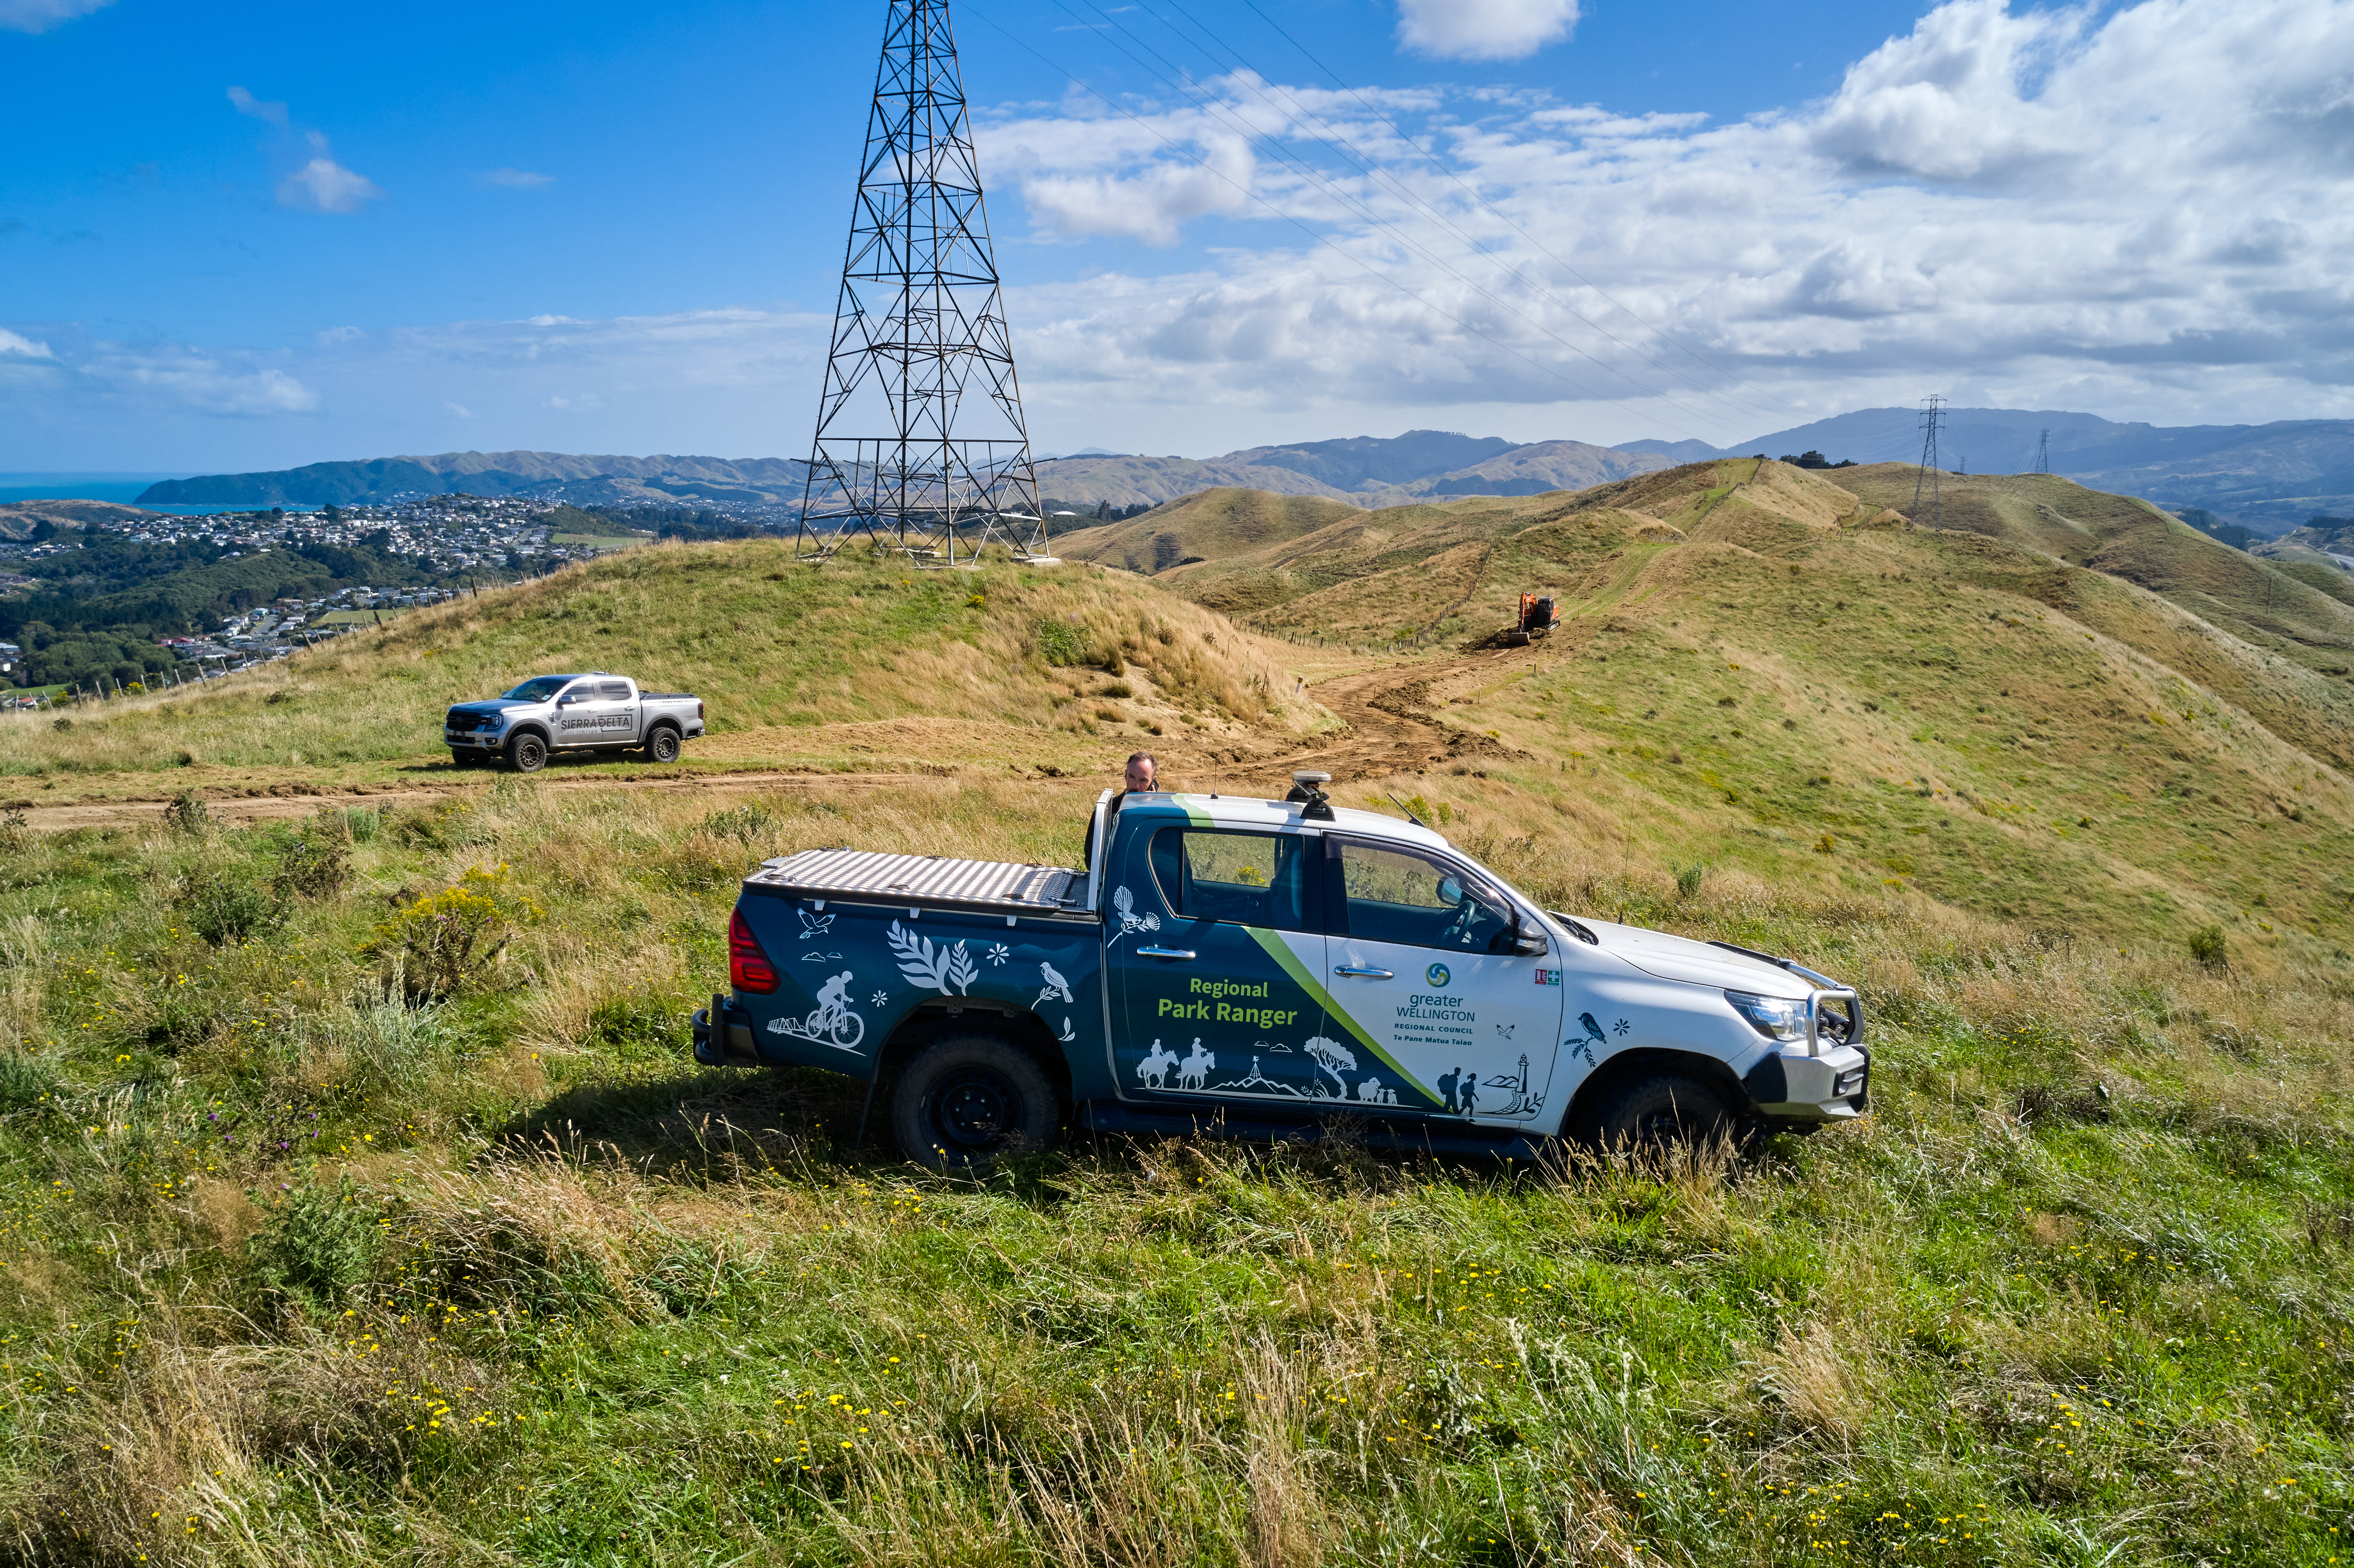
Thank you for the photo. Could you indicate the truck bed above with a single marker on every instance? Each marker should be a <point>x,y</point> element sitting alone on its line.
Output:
<point>935,881</point>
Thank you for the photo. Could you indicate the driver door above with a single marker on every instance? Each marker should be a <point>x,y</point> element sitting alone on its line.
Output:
<point>1420,962</point>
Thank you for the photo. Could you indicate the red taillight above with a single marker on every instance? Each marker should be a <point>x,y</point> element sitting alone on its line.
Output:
<point>748,968</point>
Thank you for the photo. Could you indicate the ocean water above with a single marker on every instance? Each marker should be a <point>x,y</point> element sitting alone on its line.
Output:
<point>123,488</point>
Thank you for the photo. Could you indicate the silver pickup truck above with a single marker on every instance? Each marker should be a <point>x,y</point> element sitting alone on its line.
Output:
<point>589,713</point>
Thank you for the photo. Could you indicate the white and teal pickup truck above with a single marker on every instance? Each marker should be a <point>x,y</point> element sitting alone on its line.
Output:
<point>592,712</point>
<point>1267,970</point>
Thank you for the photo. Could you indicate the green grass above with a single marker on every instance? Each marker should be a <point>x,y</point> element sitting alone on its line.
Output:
<point>292,1270</point>
<point>601,543</point>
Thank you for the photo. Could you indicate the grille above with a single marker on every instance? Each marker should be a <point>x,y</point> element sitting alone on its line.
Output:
<point>467,723</point>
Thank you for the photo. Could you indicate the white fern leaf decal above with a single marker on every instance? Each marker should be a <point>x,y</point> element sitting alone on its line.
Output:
<point>1123,901</point>
<point>934,968</point>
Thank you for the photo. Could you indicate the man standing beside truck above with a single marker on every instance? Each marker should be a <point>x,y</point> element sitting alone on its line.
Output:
<point>1142,777</point>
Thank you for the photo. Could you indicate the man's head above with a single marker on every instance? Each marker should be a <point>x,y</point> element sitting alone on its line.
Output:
<point>1140,770</point>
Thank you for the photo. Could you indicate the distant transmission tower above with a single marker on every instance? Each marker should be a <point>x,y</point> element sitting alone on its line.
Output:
<point>1932,414</point>
<point>2043,452</point>
<point>921,442</point>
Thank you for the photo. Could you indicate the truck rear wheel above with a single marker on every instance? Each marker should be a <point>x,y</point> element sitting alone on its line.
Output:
<point>1654,1109</point>
<point>968,1102</point>
<point>527,753</point>
<point>662,744</point>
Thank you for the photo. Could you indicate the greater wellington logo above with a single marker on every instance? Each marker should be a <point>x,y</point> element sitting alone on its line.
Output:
<point>1438,975</point>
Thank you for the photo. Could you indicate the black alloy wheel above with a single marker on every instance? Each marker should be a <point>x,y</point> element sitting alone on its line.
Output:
<point>970,1102</point>
<point>527,753</point>
<point>662,745</point>
<point>1656,1109</point>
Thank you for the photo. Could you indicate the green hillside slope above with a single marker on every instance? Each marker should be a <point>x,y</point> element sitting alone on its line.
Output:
<point>858,659</point>
<point>1763,667</point>
<point>1207,525</point>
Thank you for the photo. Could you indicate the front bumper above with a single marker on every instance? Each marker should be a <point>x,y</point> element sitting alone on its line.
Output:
<point>474,740</point>
<point>1796,1087</point>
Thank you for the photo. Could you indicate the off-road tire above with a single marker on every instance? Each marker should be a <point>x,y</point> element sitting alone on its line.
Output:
<point>526,754</point>
<point>662,746</point>
<point>968,1102</point>
<point>1652,1110</point>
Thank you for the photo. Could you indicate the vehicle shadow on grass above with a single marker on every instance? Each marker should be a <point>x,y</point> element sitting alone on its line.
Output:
<point>702,1124</point>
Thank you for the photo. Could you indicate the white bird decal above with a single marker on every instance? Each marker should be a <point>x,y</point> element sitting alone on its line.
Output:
<point>1056,986</point>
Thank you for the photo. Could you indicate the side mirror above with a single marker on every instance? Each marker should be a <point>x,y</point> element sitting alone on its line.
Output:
<point>1449,890</point>
<point>1528,944</point>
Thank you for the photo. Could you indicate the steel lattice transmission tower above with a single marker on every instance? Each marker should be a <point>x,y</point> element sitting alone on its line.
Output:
<point>921,442</point>
<point>2043,452</point>
<point>1933,415</point>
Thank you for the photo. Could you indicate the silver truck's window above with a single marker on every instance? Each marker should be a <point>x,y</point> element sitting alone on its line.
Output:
<point>1249,879</point>
<point>1400,895</point>
<point>537,691</point>
<point>614,691</point>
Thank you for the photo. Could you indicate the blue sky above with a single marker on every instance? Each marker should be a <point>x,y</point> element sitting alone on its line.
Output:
<point>270,235</point>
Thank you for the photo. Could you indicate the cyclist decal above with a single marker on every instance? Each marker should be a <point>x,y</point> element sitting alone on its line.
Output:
<point>832,1022</point>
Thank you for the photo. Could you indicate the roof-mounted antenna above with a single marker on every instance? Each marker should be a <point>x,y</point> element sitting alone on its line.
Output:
<point>1308,793</point>
<point>1401,806</point>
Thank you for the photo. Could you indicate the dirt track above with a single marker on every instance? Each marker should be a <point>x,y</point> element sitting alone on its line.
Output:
<point>1389,731</point>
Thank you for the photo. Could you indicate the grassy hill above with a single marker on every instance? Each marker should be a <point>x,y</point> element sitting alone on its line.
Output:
<point>796,666</point>
<point>325,1237</point>
<point>1209,525</point>
<point>1761,667</point>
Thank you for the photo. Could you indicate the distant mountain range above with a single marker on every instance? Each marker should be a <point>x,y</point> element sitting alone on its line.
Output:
<point>2269,477</point>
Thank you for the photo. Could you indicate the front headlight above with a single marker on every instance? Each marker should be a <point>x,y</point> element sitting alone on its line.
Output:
<point>496,721</point>
<point>1775,1017</point>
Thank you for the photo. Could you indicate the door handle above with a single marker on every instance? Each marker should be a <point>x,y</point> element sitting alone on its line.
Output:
<point>1164,952</point>
<point>1361,970</point>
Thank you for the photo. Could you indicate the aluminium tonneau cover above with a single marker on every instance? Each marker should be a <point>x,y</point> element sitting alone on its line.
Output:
<point>865,876</point>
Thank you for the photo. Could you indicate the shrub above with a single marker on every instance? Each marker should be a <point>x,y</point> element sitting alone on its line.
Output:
<point>2207,945</point>
<point>225,909</point>
<point>746,822</point>
<point>1688,878</point>
<point>319,1244</point>
<point>188,814</point>
<point>447,940</point>
<point>1117,689</point>
<point>314,865</point>
<point>15,833</point>
<point>1060,642</point>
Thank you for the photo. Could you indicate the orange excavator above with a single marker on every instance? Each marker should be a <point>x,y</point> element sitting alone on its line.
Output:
<point>1539,615</point>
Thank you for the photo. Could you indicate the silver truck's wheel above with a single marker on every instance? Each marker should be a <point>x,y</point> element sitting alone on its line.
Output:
<point>662,745</point>
<point>1656,1108</point>
<point>529,753</point>
<point>968,1102</point>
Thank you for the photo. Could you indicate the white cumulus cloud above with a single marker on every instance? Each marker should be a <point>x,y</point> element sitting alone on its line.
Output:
<point>253,108</point>
<point>40,15</point>
<point>1483,29</point>
<point>322,185</point>
<point>10,343</point>
<point>517,179</point>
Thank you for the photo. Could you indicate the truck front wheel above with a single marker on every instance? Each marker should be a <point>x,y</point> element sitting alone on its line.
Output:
<point>662,745</point>
<point>1656,1109</point>
<point>968,1102</point>
<point>529,753</point>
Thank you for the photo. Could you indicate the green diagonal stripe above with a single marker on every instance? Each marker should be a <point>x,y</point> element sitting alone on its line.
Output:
<point>1288,962</point>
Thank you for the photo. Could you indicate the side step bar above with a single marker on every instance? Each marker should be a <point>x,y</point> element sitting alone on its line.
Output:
<point>1111,1116</point>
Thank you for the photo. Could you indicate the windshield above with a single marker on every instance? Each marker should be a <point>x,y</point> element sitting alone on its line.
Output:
<point>540,690</point>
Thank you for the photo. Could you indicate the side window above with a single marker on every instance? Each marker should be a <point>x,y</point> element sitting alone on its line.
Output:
<point>1249,879</point>
<point>1402,895</point>
<point>614,691</point>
